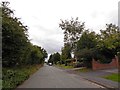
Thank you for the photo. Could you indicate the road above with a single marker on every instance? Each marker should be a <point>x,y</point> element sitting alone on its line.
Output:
<point>52,77</point>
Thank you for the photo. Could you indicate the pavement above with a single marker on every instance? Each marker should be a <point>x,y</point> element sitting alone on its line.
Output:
<point>52,77</point>
<point>96,77</point>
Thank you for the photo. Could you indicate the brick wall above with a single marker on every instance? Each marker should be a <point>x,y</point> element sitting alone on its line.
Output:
<point>96,65</point>
<point>118,62</point>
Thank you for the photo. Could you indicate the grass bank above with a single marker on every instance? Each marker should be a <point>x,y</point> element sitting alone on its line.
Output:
<point>0,84</point>
<point>113,77</point>
<point>84,69</point>
<point>64,67</point>
<point>12,77</point>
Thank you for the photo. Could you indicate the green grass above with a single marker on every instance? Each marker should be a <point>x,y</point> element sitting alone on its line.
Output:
<point>65,67</point>
<point>84,70</point>
<point>12,77</point>
<point>0,84</point>
<point>113,77</point>
<point>68,67</point>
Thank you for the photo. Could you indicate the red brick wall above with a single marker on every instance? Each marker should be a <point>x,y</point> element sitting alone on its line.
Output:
<point>118,62</point>
<point>96,65</point>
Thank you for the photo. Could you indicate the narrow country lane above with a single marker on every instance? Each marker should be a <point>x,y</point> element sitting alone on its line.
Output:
<point>52,77</point>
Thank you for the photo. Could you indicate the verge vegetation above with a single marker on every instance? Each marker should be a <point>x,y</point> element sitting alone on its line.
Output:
<point>17,75</point>
<point>20,58</point>
<point>113,77</point>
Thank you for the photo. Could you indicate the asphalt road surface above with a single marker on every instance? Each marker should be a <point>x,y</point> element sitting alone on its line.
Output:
<point>52,77</point>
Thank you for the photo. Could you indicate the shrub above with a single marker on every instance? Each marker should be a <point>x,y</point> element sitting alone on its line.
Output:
<point>79,64</point>
<point>13,77</point>
<point>85,56</point>
<point>102,56</point>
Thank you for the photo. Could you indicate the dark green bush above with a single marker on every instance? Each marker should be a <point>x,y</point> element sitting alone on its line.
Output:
<point>102,55</point>
<point>85,56</point>
<point>13,77</point>
<point>79,64</point>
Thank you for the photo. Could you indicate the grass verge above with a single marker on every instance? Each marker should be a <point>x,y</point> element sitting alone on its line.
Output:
<point>0,84</point>
<point>113,77</point>
<point>65,67</point>
<point>84,70</point>
<point>12,77</point>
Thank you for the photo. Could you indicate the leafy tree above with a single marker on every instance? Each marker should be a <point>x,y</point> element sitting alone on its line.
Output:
<point>109,43</point>
<point>17,48</point>
<point>72,31</point>
<point>66,52</point>
<point>87,40</point>
<point>85,56</point>
<point>102,47</point>
<point>36,56</point>
<point>43,51</point>
<point>14,37</point>
<point>85,47</point>
<point>54,58</point>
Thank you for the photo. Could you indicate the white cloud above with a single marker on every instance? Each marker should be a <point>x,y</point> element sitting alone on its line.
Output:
<point>43,17</point>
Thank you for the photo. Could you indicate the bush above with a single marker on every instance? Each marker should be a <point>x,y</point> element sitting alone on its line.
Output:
<point>79,64</point>
<point>85,56</point>
<point>13,77</point>
<point>102,56</point>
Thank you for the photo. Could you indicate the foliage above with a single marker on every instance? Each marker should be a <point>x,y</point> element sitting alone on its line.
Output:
<point>20,57</point>
<point>66,52</point>
<point>72,31</point>
<point>17,49</point>
<point>110,38</point>
<point>14,37</point>
<point>78,64</point>
<point>85,56</point>
<point>102,47</point>
<point>87,40</point>
<point>13,77</point>
<point>36,56</point>
<point>54,58</point>
<point>109,42</point>
<point>85,45</point>
<point>64,67</point>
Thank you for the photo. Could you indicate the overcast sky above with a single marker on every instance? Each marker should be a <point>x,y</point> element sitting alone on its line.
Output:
<point>43,17</point>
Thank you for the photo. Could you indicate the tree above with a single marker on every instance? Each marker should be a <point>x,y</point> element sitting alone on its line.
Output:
<point>54,58</point>
<point>109,43</point>
<point>14,37</point>
<point>72,31</point>
<point>85,47</point>
<point>87,40</point>
<point>85,56</point>
<point>43,51</point>
<point>17,49</point>
<point>66,52</point>
<point>36,56</point>
<point>57,57</point>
